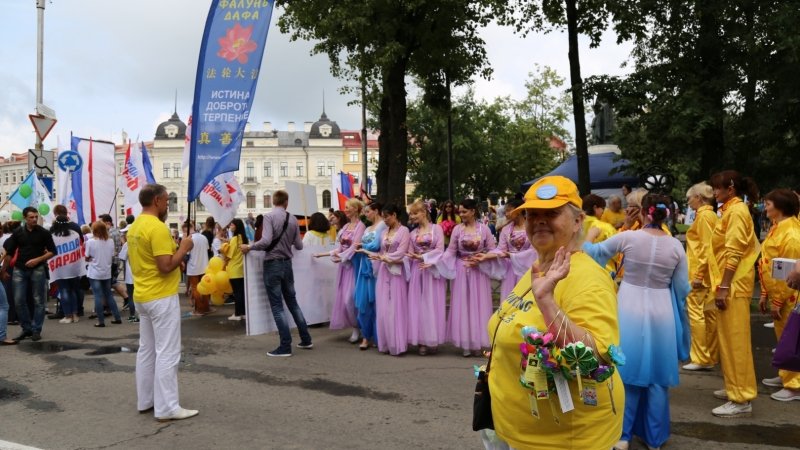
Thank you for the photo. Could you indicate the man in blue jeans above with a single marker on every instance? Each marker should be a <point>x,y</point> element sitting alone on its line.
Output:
<point>35,245</point>
<point>279,234</point>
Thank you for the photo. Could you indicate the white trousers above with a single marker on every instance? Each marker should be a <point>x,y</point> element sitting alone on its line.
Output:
<point>159,355</point>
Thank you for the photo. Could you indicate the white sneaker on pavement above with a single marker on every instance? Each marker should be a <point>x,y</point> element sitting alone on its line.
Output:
<point>772,382</point>
<point>693,367</point>
<point>721,394</point>
<point>180,414</point>
<point>235,317</point>
<point>733,409</point>
<point>769,325</point>
<point>786,395</point>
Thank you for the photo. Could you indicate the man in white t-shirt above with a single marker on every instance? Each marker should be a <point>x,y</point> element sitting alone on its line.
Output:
<point>195,269</point>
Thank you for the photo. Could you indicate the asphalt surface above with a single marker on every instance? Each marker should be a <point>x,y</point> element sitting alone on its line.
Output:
<point>75,389</point>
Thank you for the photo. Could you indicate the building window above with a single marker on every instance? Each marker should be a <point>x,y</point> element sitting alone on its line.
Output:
<point>251,200</point>
<point>267,200</point>
<point>173,202</point>
<point>321,169</point>
<point>248,143</point>
<point>331,168</point>
<point>267,169</point>
<point>299,171</point>
<point>326,199</point>
<point>353,157</point>
<point>6,176</point>
<point>166,170</point>
<point>176,170</point>
<point>15,177</point>
<point>251,169</point>
<point>284,169</point>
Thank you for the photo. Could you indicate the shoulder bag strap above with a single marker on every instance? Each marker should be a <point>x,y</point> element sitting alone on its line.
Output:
<point>280,235</point>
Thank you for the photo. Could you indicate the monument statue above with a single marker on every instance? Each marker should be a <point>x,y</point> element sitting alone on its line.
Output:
<point>603,126</point>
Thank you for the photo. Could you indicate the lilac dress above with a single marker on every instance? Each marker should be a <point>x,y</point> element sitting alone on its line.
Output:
<point>426,289</point>
<point>391,294</point>
<point>344,310</point>
<point>520,257</point>
<point>470,288</point>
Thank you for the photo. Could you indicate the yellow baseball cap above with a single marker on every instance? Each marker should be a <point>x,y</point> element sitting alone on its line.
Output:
<point>550,193</point>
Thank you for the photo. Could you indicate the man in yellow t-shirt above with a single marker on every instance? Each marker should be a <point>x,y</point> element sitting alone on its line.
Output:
<point>614,214</point>
<point>154,264</point>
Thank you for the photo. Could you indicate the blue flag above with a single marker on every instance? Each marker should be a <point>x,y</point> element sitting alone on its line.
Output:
<point>227,74</point>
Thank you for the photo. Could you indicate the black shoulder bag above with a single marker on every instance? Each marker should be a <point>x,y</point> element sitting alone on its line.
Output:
<point>278,238</point>
<point>482,404</point>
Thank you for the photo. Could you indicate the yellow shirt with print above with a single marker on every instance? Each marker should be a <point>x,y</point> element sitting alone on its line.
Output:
<point>235,267</point>
<point>588,298</point>
<point>783,241</point>
<point>149,237</point>
<point>736,247</point>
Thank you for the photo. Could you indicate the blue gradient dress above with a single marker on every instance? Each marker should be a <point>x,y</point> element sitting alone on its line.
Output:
<point>365,281</point>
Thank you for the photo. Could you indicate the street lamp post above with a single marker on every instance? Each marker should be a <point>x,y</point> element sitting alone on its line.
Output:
<point>39,61</point>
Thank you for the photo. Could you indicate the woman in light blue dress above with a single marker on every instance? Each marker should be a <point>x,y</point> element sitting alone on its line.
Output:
<point>653,326</point>
<point>365,274</point>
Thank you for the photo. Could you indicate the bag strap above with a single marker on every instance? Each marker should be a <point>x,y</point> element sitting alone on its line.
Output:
<point>280,235</point>
<point>494,336</point>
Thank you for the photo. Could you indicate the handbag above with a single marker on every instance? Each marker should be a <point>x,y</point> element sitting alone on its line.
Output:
<point>482,404</point>
<point>787,352</point>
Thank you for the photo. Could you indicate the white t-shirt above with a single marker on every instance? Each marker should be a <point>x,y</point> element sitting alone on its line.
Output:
<point>123,256</point>
<point>198,258</point>
<point>102,253</point>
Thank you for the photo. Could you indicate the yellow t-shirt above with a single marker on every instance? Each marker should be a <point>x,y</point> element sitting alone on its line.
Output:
<point>149,237</point>
<point>783,241</point>
<point>613,218</point>
<point>736,247</point>
<point>235,267</point>
<point>587,296</point>
<point>606,229</point>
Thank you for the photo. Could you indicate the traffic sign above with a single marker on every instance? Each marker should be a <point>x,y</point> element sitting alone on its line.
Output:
<point>70,161</point>
<point>42,124</point>
<point>41,161</point>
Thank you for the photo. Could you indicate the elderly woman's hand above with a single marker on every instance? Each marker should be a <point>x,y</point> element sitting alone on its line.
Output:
<point>544,283</point>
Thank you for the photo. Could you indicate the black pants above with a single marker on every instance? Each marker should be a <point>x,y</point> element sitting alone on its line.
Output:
<point>238,296</point>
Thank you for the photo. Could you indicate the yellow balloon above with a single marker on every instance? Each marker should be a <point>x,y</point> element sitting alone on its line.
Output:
<point>202,289</point>
<point>222,280</point>
<point>215,264</point>
<point>217,299</point>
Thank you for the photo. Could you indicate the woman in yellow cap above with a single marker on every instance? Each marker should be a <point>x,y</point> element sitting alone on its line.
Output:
<point>704,353</point>
<point>778,299</point>
<point>735,250</point>
<point>567,296</point>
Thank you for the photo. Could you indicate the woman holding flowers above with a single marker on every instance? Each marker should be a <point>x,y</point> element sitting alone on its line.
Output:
<point>654,330</point>
<point>567,296</point>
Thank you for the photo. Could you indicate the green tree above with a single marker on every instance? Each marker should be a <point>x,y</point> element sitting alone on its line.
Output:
<point>380,42</point>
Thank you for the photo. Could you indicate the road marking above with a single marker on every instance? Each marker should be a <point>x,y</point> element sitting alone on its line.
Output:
<point>5,445</point>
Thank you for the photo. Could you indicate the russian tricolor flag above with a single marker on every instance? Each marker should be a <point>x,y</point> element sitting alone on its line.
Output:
<point>343,184</point>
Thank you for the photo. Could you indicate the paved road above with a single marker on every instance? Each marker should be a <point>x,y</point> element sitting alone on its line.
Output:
<point>75,390</point>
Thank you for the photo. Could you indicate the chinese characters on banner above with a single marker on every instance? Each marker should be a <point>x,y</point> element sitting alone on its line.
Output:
<point>227,74</point>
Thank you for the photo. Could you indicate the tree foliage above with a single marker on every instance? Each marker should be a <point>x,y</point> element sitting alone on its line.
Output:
<point>496,146</point>
<point>381,42</point>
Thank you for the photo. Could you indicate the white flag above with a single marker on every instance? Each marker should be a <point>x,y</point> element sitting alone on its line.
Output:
<point>134,178</point>
<point>222,197</point>
<point>41,200</point>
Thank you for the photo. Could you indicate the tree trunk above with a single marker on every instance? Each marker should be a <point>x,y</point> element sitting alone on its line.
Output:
<point>581,148</point>
<point>393,141</point>
<point>712,79</point>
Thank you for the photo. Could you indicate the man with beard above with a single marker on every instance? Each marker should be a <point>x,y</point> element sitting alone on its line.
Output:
<point>155,259</point>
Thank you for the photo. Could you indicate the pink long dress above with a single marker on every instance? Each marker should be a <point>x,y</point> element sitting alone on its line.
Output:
<point>344,309</point>
<point>426,289</point>
<point>470,288</point>
<point>520,257</point>
<point>391,294</point>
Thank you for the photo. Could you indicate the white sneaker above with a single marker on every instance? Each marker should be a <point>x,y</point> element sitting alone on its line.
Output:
<point>354,337</point>
<point>733,409</point>
<point>66,320</point>
<point>721,394</point>
<point>786,395</point>
<point>772,382</point>
<point>235,317</point>
<point>621,445</point>
<point>180,414</point>
<point>769,325</point>
<point>693,367</point>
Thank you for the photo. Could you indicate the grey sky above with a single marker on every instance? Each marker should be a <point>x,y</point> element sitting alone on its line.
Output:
<point>114,65</point>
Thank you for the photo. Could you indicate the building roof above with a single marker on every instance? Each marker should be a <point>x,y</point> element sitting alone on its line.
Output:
<point>352,139</point>
<point>174,120</point>
<point>290,138</point>
<point>330,129</point>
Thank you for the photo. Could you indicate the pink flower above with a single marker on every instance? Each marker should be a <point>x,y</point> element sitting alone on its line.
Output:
<point>236,44</point>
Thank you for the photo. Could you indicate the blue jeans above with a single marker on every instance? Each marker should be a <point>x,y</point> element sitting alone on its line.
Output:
<point>3,313</point>
<point>68,295</point>
<point>35,280</point>
<point>279,281</point>
<point>102,291</point>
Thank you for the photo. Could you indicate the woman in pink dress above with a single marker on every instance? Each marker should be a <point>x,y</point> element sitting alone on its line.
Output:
<point>391,288</point>
<point>514,254</point>
<point>344,311</point>
<point>470,288</point>
<point>426,287</point>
